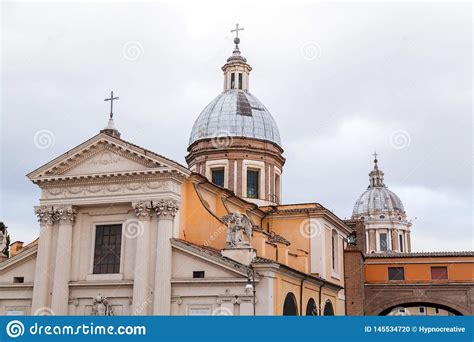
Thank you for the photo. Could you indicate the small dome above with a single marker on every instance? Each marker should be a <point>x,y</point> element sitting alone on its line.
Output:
<point>377,200</point>
<point>235,113</point>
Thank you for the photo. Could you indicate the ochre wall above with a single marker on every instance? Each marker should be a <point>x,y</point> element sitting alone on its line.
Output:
<point>460,269</point>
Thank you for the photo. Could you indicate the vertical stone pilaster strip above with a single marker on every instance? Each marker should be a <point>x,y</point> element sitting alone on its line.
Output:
<point>166,212</point>
<point>141,279</point>
<point>65,216</point>
<point>41,289</point>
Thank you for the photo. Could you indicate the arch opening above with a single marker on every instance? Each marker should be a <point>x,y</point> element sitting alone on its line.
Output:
<point>420,309</point>
<point>311,308</point>
<point>290,306</point>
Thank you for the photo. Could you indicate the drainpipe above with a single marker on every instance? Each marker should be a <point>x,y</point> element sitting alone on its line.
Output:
<point>301,294</point>
<point>320,298</point>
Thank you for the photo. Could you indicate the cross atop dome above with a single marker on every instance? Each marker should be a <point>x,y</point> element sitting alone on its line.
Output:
<point>237,39</point>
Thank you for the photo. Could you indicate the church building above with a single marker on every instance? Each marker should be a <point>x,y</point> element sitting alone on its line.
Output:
<point>126,231</point>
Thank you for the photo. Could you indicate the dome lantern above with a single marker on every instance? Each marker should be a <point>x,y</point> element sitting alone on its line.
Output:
<point>236,70</point>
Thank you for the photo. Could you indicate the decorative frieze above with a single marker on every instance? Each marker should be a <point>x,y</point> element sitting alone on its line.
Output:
<point>110,189</point>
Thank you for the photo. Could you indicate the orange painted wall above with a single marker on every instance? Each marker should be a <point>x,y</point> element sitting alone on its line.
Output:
<point>197,224</point>
<point>460,269</point>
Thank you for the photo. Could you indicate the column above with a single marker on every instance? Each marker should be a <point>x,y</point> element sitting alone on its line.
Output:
<point>372,240</point>
<point>166,211</point>
<point>141,283</point>
<point>43,262</point>
<point>62,270</point>
<point>396,246</point>
<point>408,240</point>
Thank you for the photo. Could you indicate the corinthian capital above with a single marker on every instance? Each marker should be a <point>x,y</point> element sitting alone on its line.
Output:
<point>65,214</point>
<point>142,209</point>
<point>45,214</point>
<point>166,208</point>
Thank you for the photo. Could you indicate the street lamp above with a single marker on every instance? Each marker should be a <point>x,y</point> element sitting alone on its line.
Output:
<point>250,286</point>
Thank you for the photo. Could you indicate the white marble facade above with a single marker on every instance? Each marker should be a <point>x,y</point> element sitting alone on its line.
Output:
<point>107,181</point>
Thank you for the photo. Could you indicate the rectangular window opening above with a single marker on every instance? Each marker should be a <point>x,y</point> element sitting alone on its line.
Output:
<point>232,81</point>
<point>383,241</point>
<point>252,183</point>
<point>198,274</point>
<point>18,280</point>
<point>218,177</point>
<point>240,80</point>
<point>107,249</point>
<point>439,273</point>
<point>400,238</point>
<point>396,273</point>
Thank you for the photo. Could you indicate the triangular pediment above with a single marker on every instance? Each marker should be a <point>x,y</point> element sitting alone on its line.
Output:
<point>105,155</point>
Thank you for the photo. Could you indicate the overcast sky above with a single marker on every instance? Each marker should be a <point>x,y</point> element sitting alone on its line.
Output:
<point>340,80</point>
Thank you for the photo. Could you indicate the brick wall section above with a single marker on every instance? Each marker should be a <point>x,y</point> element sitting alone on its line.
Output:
<point>354,275</point>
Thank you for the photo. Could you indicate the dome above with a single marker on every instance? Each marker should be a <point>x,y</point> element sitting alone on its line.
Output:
<point>235,113</point>
<point>378,200</point>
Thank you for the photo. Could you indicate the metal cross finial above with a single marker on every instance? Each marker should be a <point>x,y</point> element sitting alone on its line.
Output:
<point>236,30</point>
<point>375,155</point>
<point>111,99</point>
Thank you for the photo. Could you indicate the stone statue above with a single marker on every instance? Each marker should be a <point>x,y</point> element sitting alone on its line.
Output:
<point>237,225</point>
<point>101,307</point>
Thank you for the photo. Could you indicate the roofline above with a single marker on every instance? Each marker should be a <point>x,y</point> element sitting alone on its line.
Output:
<point>144,151</point>
<point>439,254</point>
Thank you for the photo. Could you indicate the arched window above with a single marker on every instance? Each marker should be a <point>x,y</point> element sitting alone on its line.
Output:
<point>311,309</point>
<point>328,309</point>
<point>290,308</point>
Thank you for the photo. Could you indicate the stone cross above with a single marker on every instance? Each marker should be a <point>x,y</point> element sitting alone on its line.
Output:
<point>236,30</point>
<point>111,99</point>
